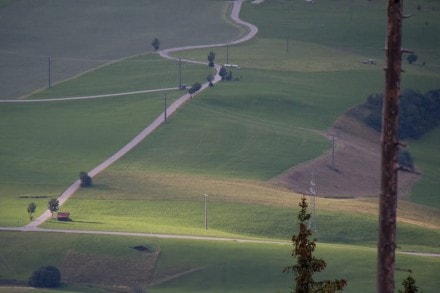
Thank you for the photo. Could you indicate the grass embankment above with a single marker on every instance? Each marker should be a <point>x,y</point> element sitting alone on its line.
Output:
<point>222,266</point>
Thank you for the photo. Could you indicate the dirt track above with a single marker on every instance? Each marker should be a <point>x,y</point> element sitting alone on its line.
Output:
<point>356,169</point>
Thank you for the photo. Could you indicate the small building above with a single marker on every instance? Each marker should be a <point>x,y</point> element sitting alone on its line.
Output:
<point>63,216</point>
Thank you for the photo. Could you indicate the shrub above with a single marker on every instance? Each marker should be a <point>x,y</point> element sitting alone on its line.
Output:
<point>194,88</point>
<point>418,114</point>
<point>405,160</point>
<point>86,180</point>
<point>411,58</point>
<point>46,277</point>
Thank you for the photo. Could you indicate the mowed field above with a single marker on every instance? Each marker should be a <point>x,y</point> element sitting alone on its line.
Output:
<point>227,142</point>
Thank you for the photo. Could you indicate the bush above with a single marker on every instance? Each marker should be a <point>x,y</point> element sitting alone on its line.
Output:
<point>411,58</point>
<point>86,180</point>
<point>46,277</point>
<point>194,88</point>
<point>405,161</point>
<point>419,113</point>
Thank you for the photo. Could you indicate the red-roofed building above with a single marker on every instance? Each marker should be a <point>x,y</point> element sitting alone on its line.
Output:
<point>63,216</point>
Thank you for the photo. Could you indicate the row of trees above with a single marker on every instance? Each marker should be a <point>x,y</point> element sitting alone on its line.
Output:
<point>419,112</point>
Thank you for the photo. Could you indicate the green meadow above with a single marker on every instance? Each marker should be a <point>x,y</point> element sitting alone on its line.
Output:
<point>302,71</point>
<point>223,266</point>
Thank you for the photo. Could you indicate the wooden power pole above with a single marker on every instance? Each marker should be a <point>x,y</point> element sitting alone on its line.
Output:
<point>390,144</point>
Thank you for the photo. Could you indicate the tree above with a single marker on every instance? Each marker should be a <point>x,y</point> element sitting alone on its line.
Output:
<point>223,73</point>
<point>31,209</point>
<point>409,285</point>
<point>46,277</point>
<point>86,180</point>
<point>411,58</point>
<point>386,245</point>
<point>156,44</point>
<point>194,88</point>
<point>211,57</point>
<point>405,161</point>
<point>306,264</point>
<point>210,78</point>
<point>53,205</point>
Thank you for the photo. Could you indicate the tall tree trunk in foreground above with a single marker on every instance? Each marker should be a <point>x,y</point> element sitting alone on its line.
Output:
<point>390,144</point>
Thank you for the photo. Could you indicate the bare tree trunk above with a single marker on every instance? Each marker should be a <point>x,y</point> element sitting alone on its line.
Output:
<point>388,197</point>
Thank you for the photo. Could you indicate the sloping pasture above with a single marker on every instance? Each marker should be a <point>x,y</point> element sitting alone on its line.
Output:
<point>81,35</point>
<point>223,266</point>
<point>227,143</point>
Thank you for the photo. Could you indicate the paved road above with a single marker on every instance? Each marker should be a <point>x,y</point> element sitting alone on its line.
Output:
<point>250,33</point>
<point>89,97</point>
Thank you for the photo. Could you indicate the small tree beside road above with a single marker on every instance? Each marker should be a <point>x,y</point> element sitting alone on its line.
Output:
<point>53,205</point>
<point>32,207</point>
<point>156,44</point>
<point>86,180</point>
<point>211,58</point>
<point>223,73</point>
<point>194,88</point>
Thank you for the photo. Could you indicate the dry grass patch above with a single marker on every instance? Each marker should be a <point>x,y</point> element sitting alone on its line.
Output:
<point>85,268</point>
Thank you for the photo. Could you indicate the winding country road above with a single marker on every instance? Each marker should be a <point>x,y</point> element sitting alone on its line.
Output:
<point>251,31</point>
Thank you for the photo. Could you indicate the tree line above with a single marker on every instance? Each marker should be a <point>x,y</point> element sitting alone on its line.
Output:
<point>419,113</point>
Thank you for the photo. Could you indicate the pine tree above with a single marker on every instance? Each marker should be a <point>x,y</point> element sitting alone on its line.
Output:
<point>306,264</point>
<point>409,285</point>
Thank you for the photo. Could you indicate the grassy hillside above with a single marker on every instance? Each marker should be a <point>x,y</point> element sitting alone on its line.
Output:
<point>219,266</point>
<point>227,142</point>
<point>79,36</point>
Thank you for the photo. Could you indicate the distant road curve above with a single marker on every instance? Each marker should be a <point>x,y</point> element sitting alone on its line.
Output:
<point>89,97</point>
<point>251,32</point>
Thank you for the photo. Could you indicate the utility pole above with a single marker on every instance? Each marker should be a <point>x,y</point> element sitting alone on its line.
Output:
<point>390,142</point>
<point>206,212</point>
<point>165,109</point>
<point>180,73</point>
<point>312,222</point>
<point>333,152</point>
<point>49,71</point>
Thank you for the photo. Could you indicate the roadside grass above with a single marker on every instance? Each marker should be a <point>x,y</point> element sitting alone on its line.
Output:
<point>223,266</point>
<point>144,72</point>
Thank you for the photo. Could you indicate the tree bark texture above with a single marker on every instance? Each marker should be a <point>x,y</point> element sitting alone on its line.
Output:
<point>390,144</point>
